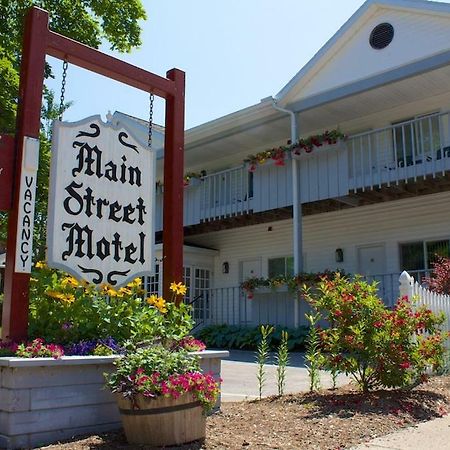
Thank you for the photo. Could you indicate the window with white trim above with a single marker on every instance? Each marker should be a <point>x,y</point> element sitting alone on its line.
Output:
<point>283,266</point>
<point>420,255</point>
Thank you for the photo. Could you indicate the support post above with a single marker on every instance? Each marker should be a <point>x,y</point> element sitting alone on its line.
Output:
<point>173,185</point>
<point>15,305</point>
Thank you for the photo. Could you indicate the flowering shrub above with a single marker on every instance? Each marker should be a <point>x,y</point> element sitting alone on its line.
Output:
<point>99,347</point>
<point>190,344</point>
<point>8,348</point>
<point>38,349</point>
<point>64,310</point>
<point>439,281</point>
<point>374,345</point>
<point>157,371</point>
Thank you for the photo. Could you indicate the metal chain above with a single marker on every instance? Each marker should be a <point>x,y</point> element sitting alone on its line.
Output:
<point>63,89</point>
<point>150,121</point>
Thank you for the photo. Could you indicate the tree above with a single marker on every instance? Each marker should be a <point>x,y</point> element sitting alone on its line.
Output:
<point>88,21</point>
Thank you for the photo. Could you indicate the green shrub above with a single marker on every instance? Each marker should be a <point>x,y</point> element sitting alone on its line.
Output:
<point>376,346</point>
<point>65,310</point>
<point>248,338</point>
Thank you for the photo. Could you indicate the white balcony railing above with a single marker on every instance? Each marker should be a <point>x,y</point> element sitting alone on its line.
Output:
<point>402,152</point>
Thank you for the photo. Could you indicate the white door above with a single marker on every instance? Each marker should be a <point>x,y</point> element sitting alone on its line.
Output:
<point>250,268</point>
<point>371,260</point>
<point>372,263</point>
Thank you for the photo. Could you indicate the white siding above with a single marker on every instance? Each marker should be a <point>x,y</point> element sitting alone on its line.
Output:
<point>425,217</point>
<point>355,60</point>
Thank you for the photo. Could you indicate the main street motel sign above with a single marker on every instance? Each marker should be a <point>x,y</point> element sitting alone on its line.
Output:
<point>101,203</point>
<point>102,227</point>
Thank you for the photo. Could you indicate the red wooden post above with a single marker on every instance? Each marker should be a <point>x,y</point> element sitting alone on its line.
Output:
<point>15,304</point>
<point>173,185</point>
<point>39,41</point>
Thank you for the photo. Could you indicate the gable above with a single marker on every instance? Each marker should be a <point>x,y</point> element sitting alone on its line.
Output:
<point>417,35</point>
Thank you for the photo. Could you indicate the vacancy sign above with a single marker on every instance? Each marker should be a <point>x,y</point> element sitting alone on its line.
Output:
<point>101,203</point>
<point>27,200</point>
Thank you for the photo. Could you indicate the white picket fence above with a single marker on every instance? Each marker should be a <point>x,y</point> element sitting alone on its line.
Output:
<point>436,302</point>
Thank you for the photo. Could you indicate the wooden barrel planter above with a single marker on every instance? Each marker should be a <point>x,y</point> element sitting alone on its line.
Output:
<point>162,421</point>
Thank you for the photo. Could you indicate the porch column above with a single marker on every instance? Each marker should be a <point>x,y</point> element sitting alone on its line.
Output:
<point>297,245</point>
<point>296,204</point>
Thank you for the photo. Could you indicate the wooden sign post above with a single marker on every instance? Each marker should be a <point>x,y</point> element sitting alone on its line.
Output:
<point>39,41</point>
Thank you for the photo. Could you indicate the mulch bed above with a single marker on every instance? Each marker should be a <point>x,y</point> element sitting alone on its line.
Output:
<point>326,420</point>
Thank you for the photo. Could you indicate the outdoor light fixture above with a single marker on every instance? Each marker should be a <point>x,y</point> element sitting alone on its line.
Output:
<point>339,255</point>
<point>226,267</point>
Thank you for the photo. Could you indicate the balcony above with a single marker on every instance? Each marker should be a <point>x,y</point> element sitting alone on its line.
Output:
<point>385,159</point>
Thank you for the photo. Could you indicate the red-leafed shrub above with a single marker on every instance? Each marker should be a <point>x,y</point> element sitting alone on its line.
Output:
<point>439,281</point>
<point>376,346</point>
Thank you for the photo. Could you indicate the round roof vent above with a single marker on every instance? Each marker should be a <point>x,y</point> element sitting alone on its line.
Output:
<point>381,36</point>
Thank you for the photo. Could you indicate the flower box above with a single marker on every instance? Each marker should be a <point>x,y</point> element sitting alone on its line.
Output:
<point>43,400</point>
<point>318,150</point>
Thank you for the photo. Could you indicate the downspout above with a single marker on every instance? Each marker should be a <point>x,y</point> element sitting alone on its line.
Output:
<point>296,206</point>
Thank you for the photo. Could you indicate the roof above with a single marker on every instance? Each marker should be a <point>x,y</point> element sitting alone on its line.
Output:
<point>339,38</point>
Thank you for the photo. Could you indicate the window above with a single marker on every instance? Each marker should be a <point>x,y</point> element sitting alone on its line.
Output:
<point>151,284</point>
<point>417,138</point>
<point>281,266</point>
<point>197,282</point>
<point>421,255</point>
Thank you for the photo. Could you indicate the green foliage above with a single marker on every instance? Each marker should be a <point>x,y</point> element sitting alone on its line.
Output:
<point>376,346</point>
<point>262,354</point>
<point>156,371</point>
<point>8,94</point>
<point>282,358</point>
<point>63,310</point>
<point>313,355</point>
<point>90,22</point>
<point>240,337</point>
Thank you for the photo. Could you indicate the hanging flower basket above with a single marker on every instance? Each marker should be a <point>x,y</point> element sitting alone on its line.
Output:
<point>162,421</point>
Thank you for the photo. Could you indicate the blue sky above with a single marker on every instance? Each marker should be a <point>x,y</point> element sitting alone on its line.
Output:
<point>234,53</point>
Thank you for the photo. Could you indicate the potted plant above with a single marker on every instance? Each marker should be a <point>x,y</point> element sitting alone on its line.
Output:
<point>162,396</point>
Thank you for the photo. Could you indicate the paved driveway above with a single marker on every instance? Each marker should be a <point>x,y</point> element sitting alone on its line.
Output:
<point>240,383</point>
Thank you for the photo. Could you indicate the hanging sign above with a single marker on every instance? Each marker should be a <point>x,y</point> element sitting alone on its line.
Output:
<point>101,203</point>
<point>6,171</point>
<point>27,200</point>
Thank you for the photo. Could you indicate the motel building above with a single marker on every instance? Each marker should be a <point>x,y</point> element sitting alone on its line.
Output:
<point>375,203</point>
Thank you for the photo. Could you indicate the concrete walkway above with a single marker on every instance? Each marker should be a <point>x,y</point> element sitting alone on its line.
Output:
<point>432,435</point>
<point>240,383</point>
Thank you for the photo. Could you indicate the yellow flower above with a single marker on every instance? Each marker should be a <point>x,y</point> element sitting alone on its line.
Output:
<point>124,291</point>
<point>69,281</point>
<point>152,299</point>
<point>157,302</point>
<point>178,288</point>
<point>40,265</point>
<point>137,282</point>
<point>69,298</point>
<point>54,294</point>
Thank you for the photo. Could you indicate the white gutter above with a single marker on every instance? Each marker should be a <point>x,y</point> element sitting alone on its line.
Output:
<point>296,204</point>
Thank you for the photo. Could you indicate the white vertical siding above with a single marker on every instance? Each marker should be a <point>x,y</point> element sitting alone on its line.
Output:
<point>390,223</point>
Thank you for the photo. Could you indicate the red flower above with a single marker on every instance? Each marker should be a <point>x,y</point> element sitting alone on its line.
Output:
<point>405,365</point>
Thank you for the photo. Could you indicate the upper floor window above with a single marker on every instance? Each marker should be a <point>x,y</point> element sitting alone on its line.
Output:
<point>283,266</point>
<point>420,255</point>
